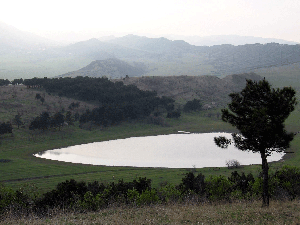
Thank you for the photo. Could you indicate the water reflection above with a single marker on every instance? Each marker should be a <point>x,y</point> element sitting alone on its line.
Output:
<point>172,151</point>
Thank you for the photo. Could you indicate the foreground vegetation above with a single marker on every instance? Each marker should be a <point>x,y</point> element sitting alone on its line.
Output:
<point>200,193</point>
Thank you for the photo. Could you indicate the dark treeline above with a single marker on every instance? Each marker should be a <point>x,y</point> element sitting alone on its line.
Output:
<point>117,102</point>
<point>44,121</point>
<point>79,195</point>
<point>101,90</point>
<point>14,82</point>
<point>4,82</point>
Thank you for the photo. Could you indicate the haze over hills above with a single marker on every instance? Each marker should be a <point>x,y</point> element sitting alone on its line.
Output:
<point>163,57</point>
<point>13,39</point>
<point>228,39</point>
<point>23,55</point>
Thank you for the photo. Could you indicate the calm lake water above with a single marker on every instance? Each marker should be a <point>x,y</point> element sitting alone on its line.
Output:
<point>172,151</point>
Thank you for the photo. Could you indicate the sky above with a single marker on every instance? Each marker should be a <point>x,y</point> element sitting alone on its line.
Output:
<point>56,18</point>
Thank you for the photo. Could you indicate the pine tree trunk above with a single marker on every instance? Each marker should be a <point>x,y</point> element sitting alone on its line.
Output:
<point>265,169</point>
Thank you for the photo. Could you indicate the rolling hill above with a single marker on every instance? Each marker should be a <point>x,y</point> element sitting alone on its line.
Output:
<point>211,90</point>
<point>111,68</point>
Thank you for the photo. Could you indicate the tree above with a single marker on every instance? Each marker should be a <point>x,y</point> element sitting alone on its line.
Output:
<point>38,96</point>
<point>17,81</point>
<point>259,112</point>
<point>42,100</point>
<point>167,103</point>
<point>57,120</point>
<point>41,122</point>
<point>193,105</point>
<point>5,128</point>
<point>69,118</point>
<point>174,114</point>
<point>4,82</point>
<point>18,120</point>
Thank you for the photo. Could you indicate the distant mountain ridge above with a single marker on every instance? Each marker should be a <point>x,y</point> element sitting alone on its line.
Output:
<point>228,39</point>
<point>158,45</point>
<point>163,57</point>
<point>23,55</point>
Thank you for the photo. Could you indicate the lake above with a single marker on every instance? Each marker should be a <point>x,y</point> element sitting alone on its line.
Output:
<point>182,150</point>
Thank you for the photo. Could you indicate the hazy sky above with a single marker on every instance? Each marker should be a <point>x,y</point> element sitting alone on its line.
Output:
<point>261,18</point>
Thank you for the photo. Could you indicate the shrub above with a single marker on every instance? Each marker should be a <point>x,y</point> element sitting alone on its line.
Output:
<point>148,197</point>
<point>91,202</point>
<point>193,105</point>
<point>242,182</point>
<point>174,114</point>
<point>145,198</point>
<point>192,183</point>
<point>257,186</point>
<point>142,184</point>
<point>233,163</point>
<point>13,199</point>
<point>218,188</point>
<point>156,120</point>
<point>66,194</point>
<point>169,193</point>
<point>288,179</point>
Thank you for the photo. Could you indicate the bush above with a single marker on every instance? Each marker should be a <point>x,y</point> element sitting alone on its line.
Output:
<point>242,182</point>
<point>5,128</point>
<point>193,105</point>
<point>91,202</point>
<point>66,194</point>
<point>13,199</point>
<point>133,195</point>
<point>169,193</point>
<point>174,114</point>
<point>148,197</point>
<point>142,184</point>
<point>288,179</point>
<point>192,183</point>
<point>257,186</point>
<point>218,188</point>
<point>156,120</point>
<point>145,198</point>
<point>233,163</point>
